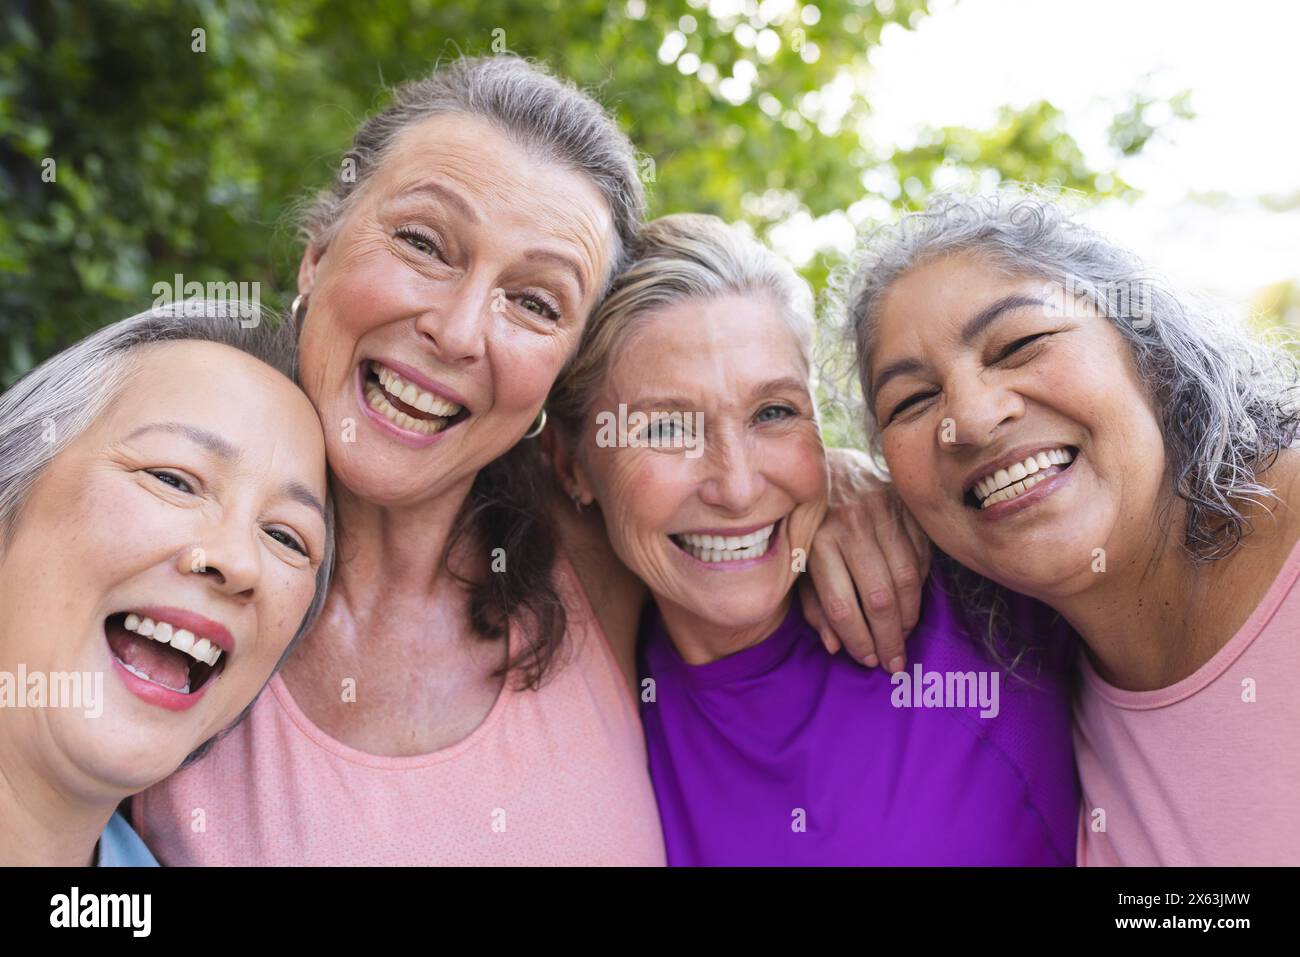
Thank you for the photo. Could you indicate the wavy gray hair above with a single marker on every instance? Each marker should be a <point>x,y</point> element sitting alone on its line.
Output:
<point>48,408</point>
<point>1226,400</point>
<point>540,112</point>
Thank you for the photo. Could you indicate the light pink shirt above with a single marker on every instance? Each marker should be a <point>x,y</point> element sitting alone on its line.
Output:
<point>1207,771</point>
<point>554,776</point>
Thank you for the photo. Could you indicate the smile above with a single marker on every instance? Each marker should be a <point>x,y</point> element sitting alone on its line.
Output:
<point>405,404</point>
<point>1008,483</point>
<point>172,654</point>
<point>717,546</point>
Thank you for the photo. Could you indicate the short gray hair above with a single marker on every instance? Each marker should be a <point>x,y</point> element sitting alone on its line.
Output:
<point>541,113</point>
<point>48,408</point>
<point>1226,400</point>
<point>677,258</point>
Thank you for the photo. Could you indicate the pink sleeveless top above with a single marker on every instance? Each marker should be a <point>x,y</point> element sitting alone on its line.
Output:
<point>1206,771</point>
<point>555,776</point>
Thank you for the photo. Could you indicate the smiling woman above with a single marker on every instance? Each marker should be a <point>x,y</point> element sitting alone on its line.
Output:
<point>173,542</point>
<point>1064,426</point>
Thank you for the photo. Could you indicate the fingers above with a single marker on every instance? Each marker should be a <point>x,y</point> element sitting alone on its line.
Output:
<point>838,596</point>
<point>873,580</point>
<point>900,557</point>
<point>816,617</point>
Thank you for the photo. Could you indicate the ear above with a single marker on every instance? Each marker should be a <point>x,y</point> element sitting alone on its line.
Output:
<point>311,257</point>
<point>562,452</point>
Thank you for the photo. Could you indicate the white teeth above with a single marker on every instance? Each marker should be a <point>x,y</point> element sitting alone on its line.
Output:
<point>411,394</point>
<point>200,649</point>
<point>728,548</point>
<point>1010,482</point>
<point>1012,491</point>
<point>378,400</point>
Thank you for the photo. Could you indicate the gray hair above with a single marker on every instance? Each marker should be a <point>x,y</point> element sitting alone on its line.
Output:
<point>48,408</point>
<point>1226,400</point>
<point>541,113</point>
<point>676,258</point>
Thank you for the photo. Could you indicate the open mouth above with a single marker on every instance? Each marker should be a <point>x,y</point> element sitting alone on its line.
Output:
<point>728,548</point>
<point>405,404</point>
<point>162,654</point>
<point>1015,480</point>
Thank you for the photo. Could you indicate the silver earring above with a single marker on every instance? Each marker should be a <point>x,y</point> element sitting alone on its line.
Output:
<point>538,424</point>
<point>295,306</point>
<point>577,501</point>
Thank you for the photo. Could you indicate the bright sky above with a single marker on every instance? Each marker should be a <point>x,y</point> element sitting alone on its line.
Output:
<point>1239,61</point>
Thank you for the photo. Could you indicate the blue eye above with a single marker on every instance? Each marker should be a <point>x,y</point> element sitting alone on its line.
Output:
<point>781,412</point>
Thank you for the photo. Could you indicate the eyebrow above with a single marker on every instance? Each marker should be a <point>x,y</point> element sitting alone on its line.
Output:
<point>546,255</point>
<point>223,450</point>
<point>448,196</point>
<point>973,327</point>
<point>675,403</point>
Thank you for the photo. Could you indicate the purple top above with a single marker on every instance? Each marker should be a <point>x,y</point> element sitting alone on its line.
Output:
<point>782,754</point>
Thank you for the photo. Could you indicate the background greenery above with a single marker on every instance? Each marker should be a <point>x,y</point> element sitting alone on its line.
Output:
<point>169,160</point>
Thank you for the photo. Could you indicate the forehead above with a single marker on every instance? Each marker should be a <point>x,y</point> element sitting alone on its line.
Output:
<point>506,183</point>
<point>716,341</point>
<point>220,389</point>
<point>929,303</point>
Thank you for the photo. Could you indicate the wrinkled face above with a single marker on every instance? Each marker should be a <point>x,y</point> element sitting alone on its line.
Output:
<point>710,518</point>
<point>1014,424</point>
<point>190,510</point>
<point>444,308</point>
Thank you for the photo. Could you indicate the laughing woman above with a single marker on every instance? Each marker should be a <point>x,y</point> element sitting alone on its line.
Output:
<point>763,748</point>
<point>160,546</point>
<point>1062,425</point>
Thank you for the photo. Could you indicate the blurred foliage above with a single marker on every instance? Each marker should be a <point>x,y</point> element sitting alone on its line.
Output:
<point>167,160</point>
<point>1277,307</point>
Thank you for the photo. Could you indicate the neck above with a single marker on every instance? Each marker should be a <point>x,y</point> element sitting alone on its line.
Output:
<point>1160,617</point>
<point>44,826</point>
<point>388,555</point>
<point>700,641</point>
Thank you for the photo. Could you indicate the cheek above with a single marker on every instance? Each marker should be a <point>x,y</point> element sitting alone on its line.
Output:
<point>640,492</point>
<point>525,365</point>
<point>909,455</point>
<point>364,292</point>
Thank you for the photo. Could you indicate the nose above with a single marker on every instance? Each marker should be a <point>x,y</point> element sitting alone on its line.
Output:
<point>976,411</point>
<point>733,481</point>
<point>228,557</point>
<point>457,325</point>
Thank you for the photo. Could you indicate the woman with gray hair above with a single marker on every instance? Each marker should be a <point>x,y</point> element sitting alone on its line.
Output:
<point>164,536</point>
<point>1064,426</point>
